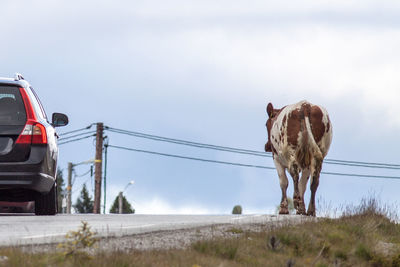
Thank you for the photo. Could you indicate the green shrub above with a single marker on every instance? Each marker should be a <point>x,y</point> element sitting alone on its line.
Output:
<point>79,240</point>
<point>237,209</point>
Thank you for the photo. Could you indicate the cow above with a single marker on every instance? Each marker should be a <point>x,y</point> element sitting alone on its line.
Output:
<point>299,137</point>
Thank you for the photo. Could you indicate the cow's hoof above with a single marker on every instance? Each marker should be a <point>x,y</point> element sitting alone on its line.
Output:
<point>283,211</point>
<point>301,212</point>
<point>301,209</point>
<point>311,213</point>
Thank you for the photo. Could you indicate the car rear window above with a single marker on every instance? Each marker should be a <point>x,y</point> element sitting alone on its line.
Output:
<point>12,109</point>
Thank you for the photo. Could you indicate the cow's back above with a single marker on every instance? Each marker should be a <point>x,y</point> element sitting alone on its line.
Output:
<point>291,141</point>
<point>321,128</point>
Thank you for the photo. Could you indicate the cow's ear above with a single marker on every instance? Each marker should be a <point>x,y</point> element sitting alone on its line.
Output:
<point>268,147</point>
<point>270,108</point>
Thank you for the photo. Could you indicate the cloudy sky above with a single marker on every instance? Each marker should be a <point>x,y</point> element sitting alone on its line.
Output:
<point>204,71</point>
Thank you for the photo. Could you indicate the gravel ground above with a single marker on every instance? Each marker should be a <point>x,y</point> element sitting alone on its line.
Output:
<point>169,239</point>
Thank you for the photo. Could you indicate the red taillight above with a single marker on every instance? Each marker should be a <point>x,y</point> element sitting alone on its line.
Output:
<point>26,136</point>
<point>39,135</point>
<point>33,132</point>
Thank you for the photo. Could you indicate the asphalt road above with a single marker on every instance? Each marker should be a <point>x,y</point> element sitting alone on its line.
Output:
<point>29,229</point>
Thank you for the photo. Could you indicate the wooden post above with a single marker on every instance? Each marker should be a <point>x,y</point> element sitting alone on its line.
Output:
<point>69,187</point>
<point>98,166</point>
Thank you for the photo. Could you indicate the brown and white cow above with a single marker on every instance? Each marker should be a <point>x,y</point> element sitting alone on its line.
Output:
<point>299,137</point>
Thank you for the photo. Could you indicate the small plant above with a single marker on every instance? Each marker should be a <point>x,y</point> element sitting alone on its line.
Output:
<point>237,209</point>
<point>274,243</point>
<point>79,240</point>
<point>235,231</point>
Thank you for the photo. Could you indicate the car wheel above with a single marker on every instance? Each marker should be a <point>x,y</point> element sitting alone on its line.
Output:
<point>46,204</point>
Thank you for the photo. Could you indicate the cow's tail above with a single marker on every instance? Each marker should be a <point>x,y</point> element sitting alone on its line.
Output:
<point>309,149</point>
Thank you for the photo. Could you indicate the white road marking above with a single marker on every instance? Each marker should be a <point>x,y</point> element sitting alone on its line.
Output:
<point>246,217</point>
<point>42,236</point>
<point>137,226</point>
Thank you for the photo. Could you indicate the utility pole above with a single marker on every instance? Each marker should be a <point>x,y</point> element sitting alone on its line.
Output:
<point>69,185</point>
<point>105,172</point>
<point>120,203</point>
<point>69,188</point>
<point>97,169</point>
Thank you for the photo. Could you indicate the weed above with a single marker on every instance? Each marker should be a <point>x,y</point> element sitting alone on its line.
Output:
<point>339,254</point>
<point>235,231</point>
<point>78,241</point>
<point>223,249</point>
<point>335,237</point>
<point>274,243</point>
<point>396,260</point>
<point>363,252</point>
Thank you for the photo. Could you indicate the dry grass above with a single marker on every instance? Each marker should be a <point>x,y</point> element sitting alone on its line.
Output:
<point>366,235</point>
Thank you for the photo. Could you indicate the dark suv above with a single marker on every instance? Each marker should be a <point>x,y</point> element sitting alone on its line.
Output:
<point>28,147</point>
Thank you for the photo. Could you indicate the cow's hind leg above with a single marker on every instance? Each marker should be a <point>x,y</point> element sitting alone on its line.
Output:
<point>314,185</point>
<point>305,173</point>
<point>294,172</point>
<point>283,181</point>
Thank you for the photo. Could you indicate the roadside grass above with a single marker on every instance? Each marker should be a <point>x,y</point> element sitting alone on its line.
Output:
<point>365,235</point>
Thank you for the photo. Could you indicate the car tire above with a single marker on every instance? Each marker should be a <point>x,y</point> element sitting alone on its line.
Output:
<point>46,204</point>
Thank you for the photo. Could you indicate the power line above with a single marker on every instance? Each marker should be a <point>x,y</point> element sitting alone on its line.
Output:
<point>80,175</point>
<point>246,151</point>
<point>189,143</point>
<point>75,135</point>
<point>192,158</point>
<point>361,162</point>
<point>78,130</point>
<point>362,175</point>
<point>76,190</point>
<point>246,165</point>
<point>74,140</point>
<point>366,165</point>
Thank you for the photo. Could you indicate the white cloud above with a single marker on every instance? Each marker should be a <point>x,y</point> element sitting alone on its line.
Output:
<point>245,57</point>
<point>304,62</point>
<point>157,205</point>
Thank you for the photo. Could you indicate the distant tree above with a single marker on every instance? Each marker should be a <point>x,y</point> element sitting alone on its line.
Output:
<point>84,203</point>
<point>237,209</point>
<point>61,190</point>
<point>126,206</point>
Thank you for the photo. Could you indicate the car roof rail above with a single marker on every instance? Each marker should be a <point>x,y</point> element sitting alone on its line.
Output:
<point>18,77</point>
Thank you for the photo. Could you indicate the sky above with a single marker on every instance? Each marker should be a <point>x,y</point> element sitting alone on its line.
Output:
<point>205,71</point>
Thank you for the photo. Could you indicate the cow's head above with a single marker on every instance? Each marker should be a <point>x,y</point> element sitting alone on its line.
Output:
<point>272,114</point>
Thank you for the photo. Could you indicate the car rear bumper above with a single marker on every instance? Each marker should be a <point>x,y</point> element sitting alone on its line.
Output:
<point>38,182</point>
<point>36,174</point>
